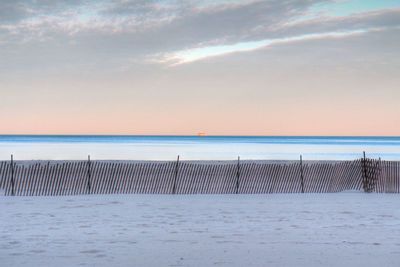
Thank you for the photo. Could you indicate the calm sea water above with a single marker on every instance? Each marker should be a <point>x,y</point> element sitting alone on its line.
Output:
<point>27,147</point>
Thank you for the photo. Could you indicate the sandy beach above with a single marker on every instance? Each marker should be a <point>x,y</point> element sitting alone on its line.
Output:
<point>344,229</point>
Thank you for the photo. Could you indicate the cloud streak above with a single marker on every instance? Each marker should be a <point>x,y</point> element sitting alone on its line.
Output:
<point>192,55</point>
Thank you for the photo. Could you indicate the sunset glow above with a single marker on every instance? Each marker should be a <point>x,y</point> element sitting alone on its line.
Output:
<point>225,67</point>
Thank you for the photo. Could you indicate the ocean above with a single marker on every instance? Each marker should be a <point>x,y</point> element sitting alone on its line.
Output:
<point>146,147</point>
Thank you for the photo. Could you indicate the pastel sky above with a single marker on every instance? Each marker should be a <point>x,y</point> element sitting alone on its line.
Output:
<point>181,67</point>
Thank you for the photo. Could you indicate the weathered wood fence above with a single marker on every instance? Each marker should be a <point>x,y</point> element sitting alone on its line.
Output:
<point>246,177</point>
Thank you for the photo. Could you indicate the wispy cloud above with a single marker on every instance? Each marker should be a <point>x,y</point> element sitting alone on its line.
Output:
<point>172,32</point>
<point>201,53</point>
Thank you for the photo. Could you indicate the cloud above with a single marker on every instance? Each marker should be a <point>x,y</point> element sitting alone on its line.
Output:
<point>191,55</point>
<point>117,34</point>
<point>182,21</point>
<point>15,11</point>
<point>288,32</point>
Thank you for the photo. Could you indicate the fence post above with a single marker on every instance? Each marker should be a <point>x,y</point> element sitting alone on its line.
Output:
<point>12,175</point>
<point>301,174</point>
<point>176,175</point>
<point>380,175</point>
<point>238,175</point>
<point>88,174</point>
<point>366,180</point>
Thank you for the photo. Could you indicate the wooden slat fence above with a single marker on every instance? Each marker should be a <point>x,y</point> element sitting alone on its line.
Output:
<point>72,177</point>
<point>389,178</point>
<point>371,170</point>
<point>332,177</point>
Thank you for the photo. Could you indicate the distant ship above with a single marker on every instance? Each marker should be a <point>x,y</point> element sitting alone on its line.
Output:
<point>201,134</point>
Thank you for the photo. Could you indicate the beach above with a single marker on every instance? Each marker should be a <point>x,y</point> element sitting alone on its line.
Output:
<point>199,133</point>
<point>341,229</point>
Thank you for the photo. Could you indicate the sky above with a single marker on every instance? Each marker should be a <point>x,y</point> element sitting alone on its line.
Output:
<point>171,67</point>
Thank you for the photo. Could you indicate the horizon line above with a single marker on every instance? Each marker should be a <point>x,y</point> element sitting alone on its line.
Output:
<point>196,135</point>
